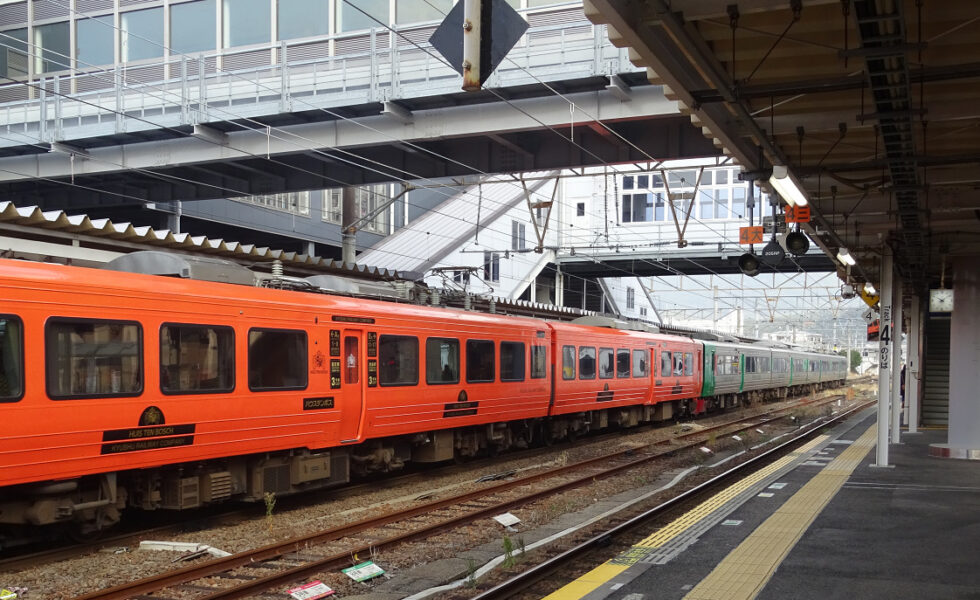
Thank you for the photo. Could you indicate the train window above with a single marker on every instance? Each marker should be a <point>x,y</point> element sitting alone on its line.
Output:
<point>87,358</point>
<point>441,360</point>
<point>586,363</point>
<point>512,361</point>
<point>568,362</point>
<point>352,371</point>
<point>665,364</point>
<point>398,360</point>
<point>622,363</point>
<point>679,363</point>
<point>607,363</point>
<point>639,363</point>
<point>479,361</point>
<point>688,363</point>
<point>539,362</point>
<point>11,359</point>
<point>196,359</point>
<point>277,359</point>
<point>750,364</point>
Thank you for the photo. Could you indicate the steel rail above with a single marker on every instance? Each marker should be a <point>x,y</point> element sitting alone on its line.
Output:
<point>541,571</point>
<point>279,549</point>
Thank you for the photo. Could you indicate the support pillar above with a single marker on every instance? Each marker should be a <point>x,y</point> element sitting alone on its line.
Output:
<point>884,358</point>
<point>348,244</point>
<point>914,367</point>
<point>896,391</point>
<point>964,364</point>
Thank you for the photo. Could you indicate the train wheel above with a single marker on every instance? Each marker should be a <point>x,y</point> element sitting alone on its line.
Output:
<point>85,532</point>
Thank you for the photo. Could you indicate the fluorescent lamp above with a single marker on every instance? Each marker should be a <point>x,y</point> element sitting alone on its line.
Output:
<point>787,186</point>
<point>844,256</point>
<point>869,289</point>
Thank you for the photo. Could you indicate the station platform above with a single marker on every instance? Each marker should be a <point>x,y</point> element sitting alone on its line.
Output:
<point>819,524</point>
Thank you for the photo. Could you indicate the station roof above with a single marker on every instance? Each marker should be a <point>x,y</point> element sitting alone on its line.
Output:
<point>873,105</point>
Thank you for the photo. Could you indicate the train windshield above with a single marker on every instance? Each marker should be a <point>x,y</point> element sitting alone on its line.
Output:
<point>11,360</point>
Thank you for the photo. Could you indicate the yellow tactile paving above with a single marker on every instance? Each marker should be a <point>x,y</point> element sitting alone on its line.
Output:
<point>747,569</point>
<point>605,572</point>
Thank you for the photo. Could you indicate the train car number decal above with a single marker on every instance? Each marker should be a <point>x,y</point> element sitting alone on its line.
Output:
<point>147,438</point>
<point>334,342</point>
<point>372,343</point>
<point>372,372</point>
<point>460,409</point>
<point>334,373</point>
<point>317,403</point>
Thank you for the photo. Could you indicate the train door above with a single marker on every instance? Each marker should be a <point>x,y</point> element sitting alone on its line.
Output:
<point>354,382</point>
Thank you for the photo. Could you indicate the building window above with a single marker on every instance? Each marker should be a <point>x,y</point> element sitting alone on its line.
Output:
<point>416,11</point>
<point>637,208</point>
<point>738,202</point>
<point>52,47</point>
<point>13,53</point>
<point>721,205</point>
<point>94,42</point>
<point>580,209</point>
<point>364,14</point>
<point>302,18</point>
<point>460,276</point>
<point>517,237</point>
<point>661,212</point>
<point>141,34</point>
<point>491,266</point>
<point>245,22</point>
<point>192,27</point>
<point>368,199</point>
<point>643,311</point>
<point>297,203</point>
<point>630,298</point>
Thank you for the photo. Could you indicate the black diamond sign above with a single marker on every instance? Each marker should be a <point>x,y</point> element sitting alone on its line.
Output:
<point>501,27</point>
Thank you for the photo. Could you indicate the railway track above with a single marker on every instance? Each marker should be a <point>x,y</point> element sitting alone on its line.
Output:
<point>277,565</point>
<point>547,570</point>
<point>207,518</point>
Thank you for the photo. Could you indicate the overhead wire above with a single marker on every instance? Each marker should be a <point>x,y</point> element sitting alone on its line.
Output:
<point>166,176</point>
<point>436,154</point>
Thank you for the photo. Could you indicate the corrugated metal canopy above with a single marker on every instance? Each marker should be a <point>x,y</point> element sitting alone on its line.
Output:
<point>145,237</point>
<point>873,105</point>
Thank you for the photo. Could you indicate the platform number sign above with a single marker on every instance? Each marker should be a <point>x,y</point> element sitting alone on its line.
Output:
<point>885,337</point>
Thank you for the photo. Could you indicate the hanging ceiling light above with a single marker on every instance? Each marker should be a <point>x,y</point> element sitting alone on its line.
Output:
<point>786,186</point>
<point>869,289</point>
<point>845,258</point>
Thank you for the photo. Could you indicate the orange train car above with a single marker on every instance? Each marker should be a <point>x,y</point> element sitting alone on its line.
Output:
<point>123,390</point>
